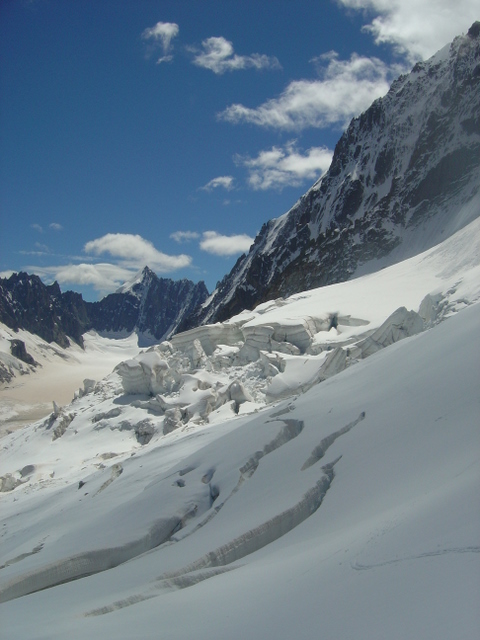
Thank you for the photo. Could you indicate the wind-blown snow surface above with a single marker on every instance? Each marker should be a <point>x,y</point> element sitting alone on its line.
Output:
<point>59,372</point>
<point>349,510</point>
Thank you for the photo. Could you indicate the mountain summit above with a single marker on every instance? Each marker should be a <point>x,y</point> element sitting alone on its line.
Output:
<point>137,284</point>
<point>150,305</point>
<point>404,176</point>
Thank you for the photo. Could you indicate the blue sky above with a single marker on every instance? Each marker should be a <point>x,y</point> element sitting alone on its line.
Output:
<point>166,132</point>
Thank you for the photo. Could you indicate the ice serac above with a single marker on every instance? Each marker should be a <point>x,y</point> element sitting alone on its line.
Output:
<point>405,175</point>
<point>234,450</point>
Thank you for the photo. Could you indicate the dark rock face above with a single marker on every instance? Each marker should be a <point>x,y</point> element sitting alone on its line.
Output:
<point>26,303</point>
<point>152,306</point>
<point>19,350</point>
<point>406,173</point>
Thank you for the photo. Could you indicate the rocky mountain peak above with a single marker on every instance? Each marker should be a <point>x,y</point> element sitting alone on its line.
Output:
<point>140,281</point>
<point>147,304</point>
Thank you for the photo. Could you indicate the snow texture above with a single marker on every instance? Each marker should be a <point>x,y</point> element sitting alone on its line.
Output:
<point>307,467</point>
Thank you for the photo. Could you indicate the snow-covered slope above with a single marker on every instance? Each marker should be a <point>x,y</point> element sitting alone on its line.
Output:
<point>405,175</point>
<point>28,390</point>
<point>230,483</point>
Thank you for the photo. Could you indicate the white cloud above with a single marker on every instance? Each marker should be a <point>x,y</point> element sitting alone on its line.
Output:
<point>37,227</point>
<point>33,253</point>
<point>218,56</point>
<point>104,277</point>
<point>6,274</point>
<point>221,245</point>
<point>135,252</point>
<point>55,226</point>
<point>161,35</point>
<point>417,29</point>
<point>130,253</point>
<point>184,236</point>
<point>280,167</point>
<point>346,88</point>
<point>226,182</point>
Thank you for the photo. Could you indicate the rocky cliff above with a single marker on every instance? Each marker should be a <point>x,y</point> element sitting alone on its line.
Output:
<point>151,306</point>
<point>27,303</point>
<point>405,175</point>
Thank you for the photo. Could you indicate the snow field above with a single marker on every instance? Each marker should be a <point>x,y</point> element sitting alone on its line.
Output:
<point>345,508</point>
<point>395,539</point>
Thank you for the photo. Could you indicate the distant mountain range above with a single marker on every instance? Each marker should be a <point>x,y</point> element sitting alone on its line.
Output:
<point>149,305</point>
<point>405,175</point>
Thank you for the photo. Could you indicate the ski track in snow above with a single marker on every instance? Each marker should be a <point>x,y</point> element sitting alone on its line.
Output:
<point>358,566</point>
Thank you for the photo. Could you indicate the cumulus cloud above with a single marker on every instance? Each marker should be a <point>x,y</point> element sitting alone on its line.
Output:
<point>161,35</point>
<point>217,54</point>
<point>280,167</point>
<point>226,182</point>
<point>135,252</point>
<point>55,226</point>
<point>184,236</point>
<point>221,245</point>
<point>104,277</point>
<point>416,29</point>
<point>37,227</point>
<point>345,89</point>
<point>129,252</point>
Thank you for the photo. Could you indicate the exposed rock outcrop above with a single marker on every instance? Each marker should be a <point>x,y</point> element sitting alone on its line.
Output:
<point>18,350</point>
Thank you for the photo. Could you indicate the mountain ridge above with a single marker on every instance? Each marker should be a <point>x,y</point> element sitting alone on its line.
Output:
<point>153,307</point>
<point>404,175</point>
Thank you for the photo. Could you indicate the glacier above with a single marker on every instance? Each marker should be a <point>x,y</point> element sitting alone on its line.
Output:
<point>311,466</point>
